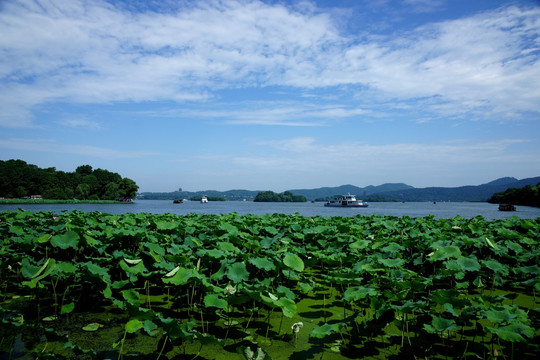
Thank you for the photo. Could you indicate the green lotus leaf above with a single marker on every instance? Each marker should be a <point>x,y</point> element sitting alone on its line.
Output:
<point>213,253</point>
<point>227,247</point>
<point>445,252</point>
<point>513,332</point>
<point>17,230</point>
<point>28,270</point>
<point>150,327</point>
<point>442,324</point>
<point>237,272</point>
<point>355,293</point>
<point>325,330</point>
<point>133,269</point>
<point>271,230</point>
<point>282,290</point>
<point>531,270</point>
<point>496,266</point>
<point>66,309</point>
<point>92,327</point>
<point>468,263</point>
<point>392,262</point>
<point>65,268</point>
<point>392,248</point>
<point>44,238</point>
<point>97,270</point>
<point>262,263</point>
<point>360,244</point>
<point>213,300</point>
<point>166,225</point>
<point>180,277</point>
<point>287,306</point>
<point>131,296</point>
<point>133,326</point>
<point>294,262</point>
<point>64,241</point>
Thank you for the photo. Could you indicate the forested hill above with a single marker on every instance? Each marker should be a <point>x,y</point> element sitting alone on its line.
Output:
<point>19,179</point>
<point>462,193</point>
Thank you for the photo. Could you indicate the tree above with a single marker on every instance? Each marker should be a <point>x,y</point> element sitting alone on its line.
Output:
<point>128,189</point>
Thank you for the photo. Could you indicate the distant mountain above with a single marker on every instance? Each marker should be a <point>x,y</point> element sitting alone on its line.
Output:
<point>462,193</point>
<point>384,192</point>
<point>330,192</point>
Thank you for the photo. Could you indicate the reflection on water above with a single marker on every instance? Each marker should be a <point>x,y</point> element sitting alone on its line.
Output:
<point>412,209</point>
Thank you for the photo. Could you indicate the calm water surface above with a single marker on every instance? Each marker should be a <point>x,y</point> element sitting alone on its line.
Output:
<point>412,209</point>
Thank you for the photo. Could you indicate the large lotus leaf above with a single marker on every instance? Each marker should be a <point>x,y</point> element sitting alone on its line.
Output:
<point>294,262</point>
<point>28,270</point>
<point>282,290</point>
<point>131,296</point>
<point>150,327</point>
<point>180,277</point>
<point>513,332</point>
<point>134,326</point>
<point>66,309</point>
<point>213,253</point>
<point>391,262</point>
<point>262,263</point>
<point>97,270</point>
<point>287,306</point>
<point>359,292</point>
<point>237,272</point>
<point>445,252</point>
<point>166,225</point>
<point>229,228</point>
<point>65,268</point>
<point>155,248</point>
<point>499,316</point>
<point>468,263</point>
<point>227,247</point>
<point>531,270</point>
<point>271,230</point>
<point>64,241</point>
<point>138,268</point>
<point>325,330</point>
<point>496,266</point>
<point>392,248</point>
<point>360,244</point>
<point>441,324</point>
<point>213,300</point>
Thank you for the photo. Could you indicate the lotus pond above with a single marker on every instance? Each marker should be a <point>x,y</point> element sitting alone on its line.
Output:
<point>80,285</point>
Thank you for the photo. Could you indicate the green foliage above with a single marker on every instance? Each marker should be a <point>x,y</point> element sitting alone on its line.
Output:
<point>19,179</point>
<point>287,196</point>
<point>453,283</point>
<point>527,195</point>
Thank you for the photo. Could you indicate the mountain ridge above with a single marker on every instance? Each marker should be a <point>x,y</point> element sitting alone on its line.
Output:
<point>383,192</point>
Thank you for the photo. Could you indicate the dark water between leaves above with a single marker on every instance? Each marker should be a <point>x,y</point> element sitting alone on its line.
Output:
<point>413,209</point>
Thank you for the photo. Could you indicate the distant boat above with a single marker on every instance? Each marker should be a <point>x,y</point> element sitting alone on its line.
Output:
<point>204,199</point>
<point>346,201</point>
<point>178,201</point>
<point>507,207</point>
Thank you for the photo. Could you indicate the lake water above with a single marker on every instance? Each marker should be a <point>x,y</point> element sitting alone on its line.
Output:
<point>412,209</point>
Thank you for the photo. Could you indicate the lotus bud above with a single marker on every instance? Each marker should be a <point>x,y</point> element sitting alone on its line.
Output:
<point>249,353</point>
<point>231,290</point>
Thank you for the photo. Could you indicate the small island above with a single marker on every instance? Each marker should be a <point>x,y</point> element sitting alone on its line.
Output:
<point>287,196</point>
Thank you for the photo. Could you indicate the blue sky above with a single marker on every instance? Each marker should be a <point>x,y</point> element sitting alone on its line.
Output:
<point>273,95</point>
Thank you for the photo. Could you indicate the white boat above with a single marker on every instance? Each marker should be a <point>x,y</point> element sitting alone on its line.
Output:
<point>204,199</point>
<point>346,201</point>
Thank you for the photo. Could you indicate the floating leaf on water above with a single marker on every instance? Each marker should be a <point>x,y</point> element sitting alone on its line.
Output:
<point>92,327</point>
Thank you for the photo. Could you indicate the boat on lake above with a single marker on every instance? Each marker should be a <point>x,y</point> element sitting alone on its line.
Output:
<point>178,201</point>
<point>204,199</point>
<point>346,201</point>
<point>507,207</point>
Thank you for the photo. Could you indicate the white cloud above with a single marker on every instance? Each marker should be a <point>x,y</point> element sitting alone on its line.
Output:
<point>90,51</point>
<point>79,123</point>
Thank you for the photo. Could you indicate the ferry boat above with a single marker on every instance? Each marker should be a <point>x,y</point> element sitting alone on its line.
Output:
<point>204,199</point>
<point>346,201</point>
